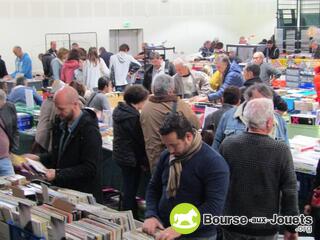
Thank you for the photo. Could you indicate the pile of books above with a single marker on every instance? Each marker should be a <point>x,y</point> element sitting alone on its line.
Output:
<point>137,235</point>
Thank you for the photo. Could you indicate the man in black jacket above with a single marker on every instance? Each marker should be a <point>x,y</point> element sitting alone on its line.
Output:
<point>271,51</point>
<point>8,134</point>
<point>76,145</point>
<point>3,68</point>
<point>53,49</point>
<point>251,75</point>
<point>157,66</point>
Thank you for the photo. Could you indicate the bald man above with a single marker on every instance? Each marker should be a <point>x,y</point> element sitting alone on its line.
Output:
<point>23,64</point>
<point>267,71</point>
<point>76,145</point>
<point>53,49</point>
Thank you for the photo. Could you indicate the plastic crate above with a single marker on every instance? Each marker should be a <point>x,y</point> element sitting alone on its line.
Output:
<point>25,121</point>
<point>306,85</point>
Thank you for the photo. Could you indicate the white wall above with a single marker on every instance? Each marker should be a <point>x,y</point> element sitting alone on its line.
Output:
<point>185,24</point>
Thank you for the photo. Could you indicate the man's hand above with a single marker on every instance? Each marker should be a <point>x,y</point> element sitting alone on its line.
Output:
<point>150,225</point>
<point>168,234</point>
<point>7,77</point>
<point>290,236</point>
<point>200,99</point>
<point>31,156</point>
<point>50,174</point>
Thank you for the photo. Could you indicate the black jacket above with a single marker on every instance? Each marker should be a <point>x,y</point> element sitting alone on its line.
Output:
<point>279,103</point>
<point>128,142</point>
<point>77,166</point>
<point>46,64</point>
<point>147,80</point>
<point>3,69</point>
<point>272,53</point>
<point>106,57</point>
<point>8,114</point>
<point>52,52</point>
<point>317,179</point>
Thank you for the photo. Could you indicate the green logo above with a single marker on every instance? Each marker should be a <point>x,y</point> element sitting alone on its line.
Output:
<point>185,218</point>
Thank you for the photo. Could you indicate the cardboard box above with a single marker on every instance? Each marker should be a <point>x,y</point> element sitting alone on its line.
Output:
<point>305,105</point>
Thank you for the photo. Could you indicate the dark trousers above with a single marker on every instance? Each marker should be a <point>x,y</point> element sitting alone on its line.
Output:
<point>316,228</point>
<point>130,181</point>
<point>227,235</point>
<point>315,213</point>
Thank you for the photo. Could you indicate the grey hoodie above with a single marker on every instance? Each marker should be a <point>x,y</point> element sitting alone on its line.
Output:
<point>120,63</point>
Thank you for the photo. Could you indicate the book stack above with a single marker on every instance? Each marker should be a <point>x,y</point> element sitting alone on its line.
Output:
<point>33,189</point>
<point>61,218</point>
<point>93,228</point>
<point>124,219</point>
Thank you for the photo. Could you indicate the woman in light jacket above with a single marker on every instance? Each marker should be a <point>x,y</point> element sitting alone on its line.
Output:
<point>56,63</point>
<point>94,68</point>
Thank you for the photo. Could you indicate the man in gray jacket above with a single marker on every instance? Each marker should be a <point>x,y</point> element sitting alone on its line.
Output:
<point>267,71</point>
<point>189,83</point>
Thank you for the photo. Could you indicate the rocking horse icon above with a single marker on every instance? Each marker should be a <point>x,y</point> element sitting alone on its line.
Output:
<point>188,217</point>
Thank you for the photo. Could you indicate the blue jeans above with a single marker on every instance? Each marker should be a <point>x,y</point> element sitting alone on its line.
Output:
<point>6,168</point>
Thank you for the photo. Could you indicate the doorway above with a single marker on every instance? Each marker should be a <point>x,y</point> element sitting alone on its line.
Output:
<point>132,37</point>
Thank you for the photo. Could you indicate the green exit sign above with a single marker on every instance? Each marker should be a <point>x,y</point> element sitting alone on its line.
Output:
<point>126,24</point>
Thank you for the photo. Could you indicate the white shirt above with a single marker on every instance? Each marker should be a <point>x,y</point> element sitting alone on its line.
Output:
<point>92,73</point>
<point>156,72</point>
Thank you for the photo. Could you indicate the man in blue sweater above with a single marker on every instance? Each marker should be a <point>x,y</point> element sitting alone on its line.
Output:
<point>18,93</point>
<point>189,171</point>
<point>23,64</point>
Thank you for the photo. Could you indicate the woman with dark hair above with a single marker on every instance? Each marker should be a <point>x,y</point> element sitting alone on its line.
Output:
<point>93,69</point>
<point>128,143</point>
<point>69,66</point>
